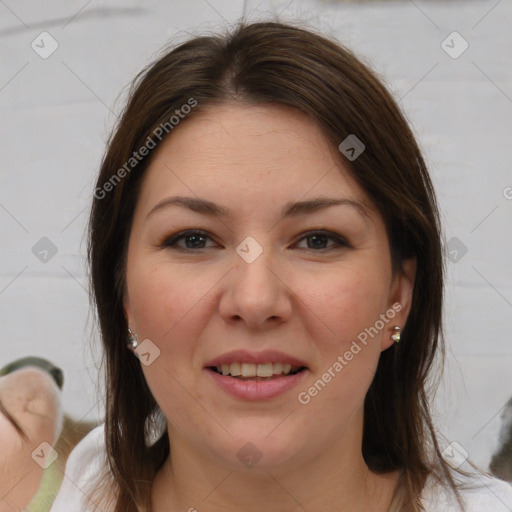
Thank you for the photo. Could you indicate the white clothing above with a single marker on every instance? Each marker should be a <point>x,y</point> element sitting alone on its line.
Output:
<point>86,460</point>
<point>484,494</point>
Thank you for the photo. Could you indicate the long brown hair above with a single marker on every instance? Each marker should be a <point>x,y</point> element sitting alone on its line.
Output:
<point>275,63</point>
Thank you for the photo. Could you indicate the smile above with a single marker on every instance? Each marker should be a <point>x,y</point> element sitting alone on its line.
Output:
<point>251,371</point>
<point>262,375</point>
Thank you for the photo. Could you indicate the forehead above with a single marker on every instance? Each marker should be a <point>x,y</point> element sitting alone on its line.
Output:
<point>260,135</point>
<point>245,156</point>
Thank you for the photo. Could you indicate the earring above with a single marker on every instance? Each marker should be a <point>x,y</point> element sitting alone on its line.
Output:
<point>132,341</point>
<point>396,334</point>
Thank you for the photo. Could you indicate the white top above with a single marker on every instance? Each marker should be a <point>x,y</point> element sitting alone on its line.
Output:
<point>85,461</point>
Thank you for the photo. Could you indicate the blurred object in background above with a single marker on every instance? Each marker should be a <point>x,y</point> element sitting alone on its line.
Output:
<point>501,461</point>
<point>30,423</point>
<point>72,433</point>
<point>31,414</point>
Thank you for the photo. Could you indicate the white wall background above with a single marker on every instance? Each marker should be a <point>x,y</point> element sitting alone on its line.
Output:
<point>56,114</point>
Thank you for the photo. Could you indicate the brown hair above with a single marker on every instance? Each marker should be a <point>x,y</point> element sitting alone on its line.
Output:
<point>275,63</point>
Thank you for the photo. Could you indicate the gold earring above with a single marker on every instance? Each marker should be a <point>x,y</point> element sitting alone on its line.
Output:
<point>396,334</point>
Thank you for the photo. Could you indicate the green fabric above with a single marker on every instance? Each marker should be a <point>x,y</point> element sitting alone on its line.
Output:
<point>47,492</point>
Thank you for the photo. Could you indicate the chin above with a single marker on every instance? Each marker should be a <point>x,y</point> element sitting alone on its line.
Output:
<point>258,451</point>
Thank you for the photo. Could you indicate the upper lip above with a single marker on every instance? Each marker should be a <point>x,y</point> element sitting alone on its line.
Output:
<point>264,356</point>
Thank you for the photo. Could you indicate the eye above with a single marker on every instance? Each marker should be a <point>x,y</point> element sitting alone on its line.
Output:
<point>317,240</point>
<point>194,239</point>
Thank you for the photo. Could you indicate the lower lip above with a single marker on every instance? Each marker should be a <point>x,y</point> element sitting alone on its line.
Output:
<point>256,390</point>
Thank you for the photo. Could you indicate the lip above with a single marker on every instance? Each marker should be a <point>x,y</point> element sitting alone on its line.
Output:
<point>256,390</point>
<point>262,357</point>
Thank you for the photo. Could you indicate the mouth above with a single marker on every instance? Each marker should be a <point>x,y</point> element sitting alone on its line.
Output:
<point>257,372</point>
<point>264,375</point>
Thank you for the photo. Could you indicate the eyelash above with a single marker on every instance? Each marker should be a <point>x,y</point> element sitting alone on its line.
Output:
<point>171,242</point>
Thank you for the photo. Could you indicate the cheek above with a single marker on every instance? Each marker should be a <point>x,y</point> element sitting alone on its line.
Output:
<point>347,300</point>
<point>170,306</point>
<point>167,304</point>
<point>164,298</point>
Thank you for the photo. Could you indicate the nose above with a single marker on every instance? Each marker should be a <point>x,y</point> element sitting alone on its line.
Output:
<point>256,293</point>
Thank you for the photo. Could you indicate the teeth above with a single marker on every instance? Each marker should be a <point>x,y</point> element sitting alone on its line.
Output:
<point>248,370</point>
<point>254,370</point>
<point>265,370</point>
<point>235,370</point>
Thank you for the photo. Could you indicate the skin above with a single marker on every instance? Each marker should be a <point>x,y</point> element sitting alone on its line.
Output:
<point>32,402</point>
<point>305,301</point>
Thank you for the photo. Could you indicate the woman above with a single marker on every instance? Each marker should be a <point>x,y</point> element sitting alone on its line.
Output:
<point>265,236</point>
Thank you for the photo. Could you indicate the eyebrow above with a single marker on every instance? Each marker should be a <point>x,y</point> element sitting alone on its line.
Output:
<point>291,209</point>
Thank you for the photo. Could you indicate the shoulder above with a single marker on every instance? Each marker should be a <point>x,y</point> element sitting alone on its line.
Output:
<point>83,467</point>
<point>479,493</point>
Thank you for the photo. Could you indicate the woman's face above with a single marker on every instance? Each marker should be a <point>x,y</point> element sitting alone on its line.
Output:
<point>274,277</point>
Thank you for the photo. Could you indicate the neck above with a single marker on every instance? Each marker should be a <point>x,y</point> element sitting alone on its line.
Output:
<point>338,475</point>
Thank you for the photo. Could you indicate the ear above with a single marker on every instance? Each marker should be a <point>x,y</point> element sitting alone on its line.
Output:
<point>400,298</point>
